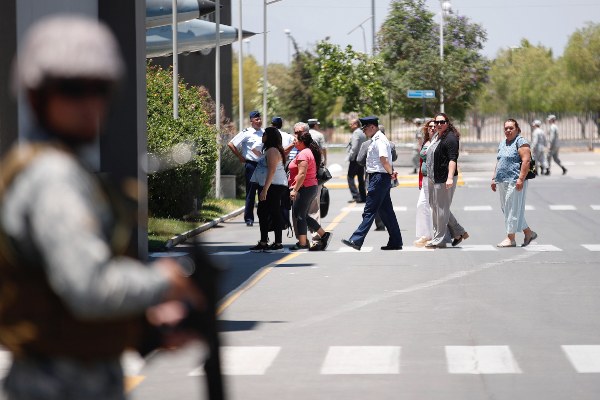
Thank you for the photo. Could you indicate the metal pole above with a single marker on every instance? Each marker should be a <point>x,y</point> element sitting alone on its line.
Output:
<point>241,71</point>
<point>175,64</point>
<point>373,26</point>
<point>364,38</point>
<point>218,97</point>
<point>264,110</point>
<point>442,59</point>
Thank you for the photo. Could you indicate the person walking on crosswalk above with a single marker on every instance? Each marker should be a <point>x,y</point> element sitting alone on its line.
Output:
<point>512,165</point>
<point>380,173</point>
<point>553,145</point>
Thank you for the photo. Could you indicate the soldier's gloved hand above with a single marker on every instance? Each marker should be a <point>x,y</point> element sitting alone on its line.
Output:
<point>181,287</point>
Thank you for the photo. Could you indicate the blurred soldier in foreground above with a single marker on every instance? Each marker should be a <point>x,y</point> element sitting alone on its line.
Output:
<point>70,299</point>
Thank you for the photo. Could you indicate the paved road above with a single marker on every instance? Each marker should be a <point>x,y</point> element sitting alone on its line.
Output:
<point>473,322</point>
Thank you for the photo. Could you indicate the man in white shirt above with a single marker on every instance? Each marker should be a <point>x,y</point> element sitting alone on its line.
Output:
<point>287,141</point>
<point>554,145</point>
<point>380,173</point>
<point>247,146</point>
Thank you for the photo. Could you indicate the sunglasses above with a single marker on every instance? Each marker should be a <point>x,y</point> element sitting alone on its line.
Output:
<point>444,122</point>
<point>80,88</point>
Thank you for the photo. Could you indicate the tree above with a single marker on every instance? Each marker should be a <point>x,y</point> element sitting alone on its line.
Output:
<point>353,76</point>
<point>409,45</point>
<point>252,72</point>
<point>300,96</point>
<point>580,81</point>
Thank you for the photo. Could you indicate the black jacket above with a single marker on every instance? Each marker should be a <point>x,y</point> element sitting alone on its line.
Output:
<point>445,152</point>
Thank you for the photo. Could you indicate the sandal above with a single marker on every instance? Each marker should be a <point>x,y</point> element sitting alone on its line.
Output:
<point>507,243</point>
<point>529,239</point>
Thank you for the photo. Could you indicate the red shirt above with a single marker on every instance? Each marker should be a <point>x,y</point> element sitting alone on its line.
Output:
<point>311,169</point>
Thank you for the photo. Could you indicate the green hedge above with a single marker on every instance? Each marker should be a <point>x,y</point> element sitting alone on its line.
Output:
<point>180,183</point>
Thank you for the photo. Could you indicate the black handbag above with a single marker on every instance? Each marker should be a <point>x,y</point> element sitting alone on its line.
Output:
<point>323,175</point>
<point>324,200</point>
<point>531,173</point>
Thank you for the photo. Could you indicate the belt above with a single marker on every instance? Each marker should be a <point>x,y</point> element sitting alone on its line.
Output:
<point>375,173</point>
<point>252,162</point>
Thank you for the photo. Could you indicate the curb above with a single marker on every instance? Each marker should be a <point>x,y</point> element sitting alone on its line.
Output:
<point>178,239</point>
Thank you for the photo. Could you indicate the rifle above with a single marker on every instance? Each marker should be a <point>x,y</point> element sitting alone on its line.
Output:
<point>204,273</point>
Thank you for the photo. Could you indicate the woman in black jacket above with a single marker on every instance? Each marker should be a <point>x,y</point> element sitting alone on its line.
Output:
<point>442,172</point>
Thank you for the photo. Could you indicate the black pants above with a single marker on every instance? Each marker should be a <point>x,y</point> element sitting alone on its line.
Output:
<point>355,169</point>
<point>251,189</point>
<point>270,210</point>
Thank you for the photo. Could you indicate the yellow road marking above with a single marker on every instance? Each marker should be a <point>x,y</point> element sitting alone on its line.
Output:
<point>131,382</point>
<point>269,267</point>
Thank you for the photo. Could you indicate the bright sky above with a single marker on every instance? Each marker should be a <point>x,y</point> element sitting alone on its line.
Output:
<point>546,22</point>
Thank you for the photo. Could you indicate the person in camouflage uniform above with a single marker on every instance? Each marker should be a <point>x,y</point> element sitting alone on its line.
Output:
<point>70,299</point>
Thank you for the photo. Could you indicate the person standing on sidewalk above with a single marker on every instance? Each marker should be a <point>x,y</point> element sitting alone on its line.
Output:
<point>247,146</point>
<point>380,173</point>
<point>354,168</point>
<point>553,145</point>
<point>71,299</point>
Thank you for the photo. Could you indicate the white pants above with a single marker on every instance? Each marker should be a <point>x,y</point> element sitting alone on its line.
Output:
<point>424,226</point>
<point>512,202</point>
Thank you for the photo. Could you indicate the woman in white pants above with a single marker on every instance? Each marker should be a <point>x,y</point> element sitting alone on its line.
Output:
<point>424,224</point>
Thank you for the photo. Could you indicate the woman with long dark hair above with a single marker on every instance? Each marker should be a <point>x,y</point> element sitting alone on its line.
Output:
<point>442,173</point>
<point>303,189</point>
<point>272,167</point>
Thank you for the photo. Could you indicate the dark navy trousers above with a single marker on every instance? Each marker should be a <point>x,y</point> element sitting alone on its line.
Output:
<point>379,201</point>
<point>251,189</point>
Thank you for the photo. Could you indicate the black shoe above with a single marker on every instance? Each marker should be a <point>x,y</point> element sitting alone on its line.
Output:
<point>259,247</point>
<point>564,171</point>
<point>350,243</point>
<point>456,241</point>
<point>360,201</point>
<point>388,247</point>
<point>380,228</point>
<point>352,201</point>
<point>325,240</point>
<point>547,172</point>
<point>317,246</point>
<point>298,246</point>
<point>275,248</point>
<point>249,223</point>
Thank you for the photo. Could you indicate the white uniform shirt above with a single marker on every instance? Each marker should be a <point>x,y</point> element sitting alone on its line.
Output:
<point>286,139</point>
<point>380,147</point>
<point>246,141</point>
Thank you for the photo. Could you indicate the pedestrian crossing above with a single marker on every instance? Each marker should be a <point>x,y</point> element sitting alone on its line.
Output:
<point>533,247</point>
<point>487,207</point>
<point>387,360</point>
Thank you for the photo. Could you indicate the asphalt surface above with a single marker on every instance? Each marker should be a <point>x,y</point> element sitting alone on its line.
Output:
<point>472,322</point>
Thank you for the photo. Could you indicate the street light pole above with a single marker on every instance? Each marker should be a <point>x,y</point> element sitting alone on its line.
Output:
<point>218,96</point>
<point>240,70</point>
<point>265,83</point>
<point>446,7</point>
<point>363,32</point>
<point>288,33</point>
<point>175,63</point>
<point>372,27</point>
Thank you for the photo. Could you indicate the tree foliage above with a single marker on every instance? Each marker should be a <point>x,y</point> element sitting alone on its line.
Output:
<point>183,151</point>
<point>409,45</point>
<point>353,76</point>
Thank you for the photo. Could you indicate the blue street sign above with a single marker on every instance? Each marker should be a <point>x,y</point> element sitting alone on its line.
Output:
<point>421,94</point>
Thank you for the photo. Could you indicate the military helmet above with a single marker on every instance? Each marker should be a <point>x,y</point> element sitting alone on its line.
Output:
<point>67,46</point>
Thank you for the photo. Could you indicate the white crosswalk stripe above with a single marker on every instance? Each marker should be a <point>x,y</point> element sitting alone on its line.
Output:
<point>592,247</point>
<point>345,360</point>
<point>346,249</point>
<point>481,360</point>
<point>244,360</point>
<point>584,358</point>
<point>478,208</point>
<point>562,207</point>
<point>541,247</point>
<point>595,207</point>
<point>386,360</point>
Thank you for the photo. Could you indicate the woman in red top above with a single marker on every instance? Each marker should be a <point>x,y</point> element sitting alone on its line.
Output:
<point>303,189</point>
